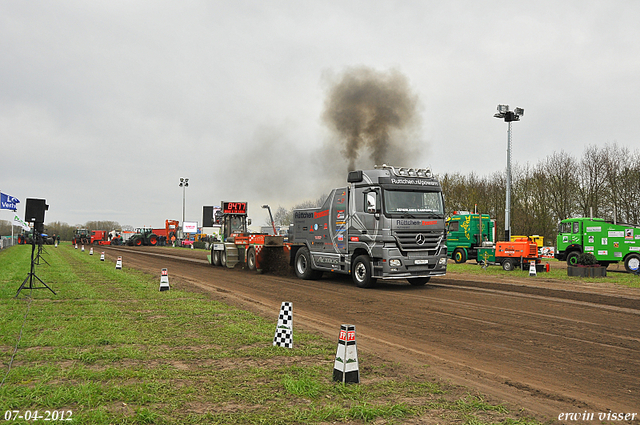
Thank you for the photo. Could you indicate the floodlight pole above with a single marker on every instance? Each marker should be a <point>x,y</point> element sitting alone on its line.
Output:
<point>507,210</point>
<point>183,184</point>
<point>508,116</point>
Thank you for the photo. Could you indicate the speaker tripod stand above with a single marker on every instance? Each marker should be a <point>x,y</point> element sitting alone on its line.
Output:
<point>28,282</point>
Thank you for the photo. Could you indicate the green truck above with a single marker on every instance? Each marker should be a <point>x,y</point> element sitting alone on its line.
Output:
<point>466,233</point>
<point>609,242</point>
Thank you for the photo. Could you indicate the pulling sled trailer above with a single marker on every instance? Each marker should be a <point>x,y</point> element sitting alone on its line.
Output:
<point>236,245</point>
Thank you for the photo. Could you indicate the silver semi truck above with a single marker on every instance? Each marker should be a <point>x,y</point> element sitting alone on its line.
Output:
<point>388,223</point>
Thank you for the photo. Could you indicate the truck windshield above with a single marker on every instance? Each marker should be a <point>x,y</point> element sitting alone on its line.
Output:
<point>413,203</point>
<point>236,224</point>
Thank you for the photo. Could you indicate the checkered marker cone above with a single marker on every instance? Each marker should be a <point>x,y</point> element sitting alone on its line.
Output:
<point>91,251</point>
<point>82,249</point>
<point>532,268</point>
<point>102,256</point>
<point>345,368</point>
<point>119,263</point>
<point>284,331</point>
<point>164,280</point>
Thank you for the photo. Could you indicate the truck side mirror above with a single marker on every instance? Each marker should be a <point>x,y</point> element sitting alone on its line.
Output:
<point>248,222</point>
<point>371,201</point>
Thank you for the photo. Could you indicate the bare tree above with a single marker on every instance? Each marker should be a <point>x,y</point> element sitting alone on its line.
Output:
<point>561,170</point>
<point>591,182</point>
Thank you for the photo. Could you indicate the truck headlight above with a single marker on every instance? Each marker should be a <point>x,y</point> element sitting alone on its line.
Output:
<point>442,261</point>
<point>395,263</point>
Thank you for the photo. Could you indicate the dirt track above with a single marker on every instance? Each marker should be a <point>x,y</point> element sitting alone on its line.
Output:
<point>543,345</point>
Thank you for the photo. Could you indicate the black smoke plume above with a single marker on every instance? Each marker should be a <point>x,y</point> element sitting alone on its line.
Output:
<point>373,111</point>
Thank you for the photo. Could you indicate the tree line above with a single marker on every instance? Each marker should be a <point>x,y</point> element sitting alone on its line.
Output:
<point>603,183</point>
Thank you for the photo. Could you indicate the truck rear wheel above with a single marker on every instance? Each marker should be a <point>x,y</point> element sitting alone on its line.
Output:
<point>361,272</point>
<point>251,259</point>
<point>418,281</point>
<point>508,264</point>
<point>632,263</point>
<point>302,265</point>
<point>459,256</point>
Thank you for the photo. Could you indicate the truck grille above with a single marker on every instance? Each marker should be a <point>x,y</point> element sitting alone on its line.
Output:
<point>413,240</point>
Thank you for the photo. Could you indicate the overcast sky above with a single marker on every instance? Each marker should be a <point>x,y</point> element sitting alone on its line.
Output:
<point>104,106</point>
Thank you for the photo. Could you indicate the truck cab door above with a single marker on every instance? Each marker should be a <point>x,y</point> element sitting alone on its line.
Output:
<point>576,232</point>
<point>365,220</point>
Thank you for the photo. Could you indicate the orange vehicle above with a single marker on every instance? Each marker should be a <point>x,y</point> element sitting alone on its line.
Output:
<point>102,237</point>
<point>511,254</point>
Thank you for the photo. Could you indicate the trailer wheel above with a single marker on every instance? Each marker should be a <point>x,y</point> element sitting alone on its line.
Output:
<point>418,281</point>
<point>572,258</point>
<point>302,265</point>
<point>632,263</point>
<point>251,259</point>
<point>361,272</point>
<point>508,264</point>
<point>459,256</point>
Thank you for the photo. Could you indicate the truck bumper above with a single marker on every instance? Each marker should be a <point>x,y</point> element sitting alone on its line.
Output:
<point>415,265</point>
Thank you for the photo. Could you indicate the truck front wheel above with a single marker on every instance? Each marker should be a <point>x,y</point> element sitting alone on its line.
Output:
<point>302,265</point>
<point>459,256</point>
<point>572,258</point>
<point>632,263</point>
<point>361,272</point>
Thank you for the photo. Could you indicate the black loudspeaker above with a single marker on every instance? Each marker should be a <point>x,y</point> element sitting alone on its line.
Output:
<point>207,216</point>
<point>34,210</point>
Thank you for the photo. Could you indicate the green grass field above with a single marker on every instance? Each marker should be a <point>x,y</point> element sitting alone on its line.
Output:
<point>111,348</point>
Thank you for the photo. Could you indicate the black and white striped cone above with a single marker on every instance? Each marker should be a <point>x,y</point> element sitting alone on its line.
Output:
<point>164,280</point>
<point>532,269</point>
<point>119,263</point>
<point>284,330</point>
<point>345,367</point>
<point>91,251</point>
<point>102,256</point>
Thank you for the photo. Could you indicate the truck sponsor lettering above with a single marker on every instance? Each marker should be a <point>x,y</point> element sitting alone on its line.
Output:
<point>420,182</point>
<point>303,215</point>
<point>321,214</point>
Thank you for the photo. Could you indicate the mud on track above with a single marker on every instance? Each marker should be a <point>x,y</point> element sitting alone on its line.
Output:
<point>546,346</point>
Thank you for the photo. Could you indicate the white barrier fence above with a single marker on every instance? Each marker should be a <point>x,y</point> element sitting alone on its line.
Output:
<point>5,241</point>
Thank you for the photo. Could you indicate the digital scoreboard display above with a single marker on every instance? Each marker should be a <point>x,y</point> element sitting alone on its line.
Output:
<point>234,207</point>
